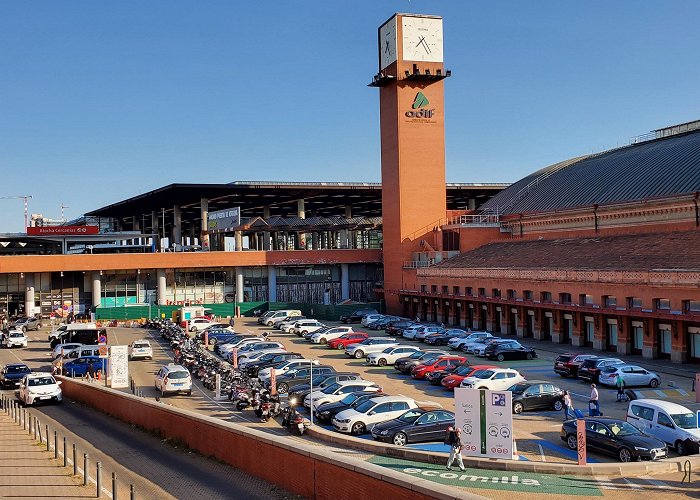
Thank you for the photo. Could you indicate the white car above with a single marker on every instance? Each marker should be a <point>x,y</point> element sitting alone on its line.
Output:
<point>335,392</point>
<point>480,349</point>
<point>359,420</point>
<point>226,349</point>
<point>198,324</point>
<point>389,355</point>
<point>173,378</point>
<point>287,323</point>
<point>411,331</point>
<point>254,347</point>
<point>140,349</point>
<point>368,346</point>
<point>428,330</point>
<point>14,338</point>
<point>496,379</point>
<point>63,349</point>
<point>290,364</point>
<point>371,318</point>
<point>253,357</point>
<point>325,335</point>
<point>307,326</point>
<point>39,387</point>
<point>463,342</point>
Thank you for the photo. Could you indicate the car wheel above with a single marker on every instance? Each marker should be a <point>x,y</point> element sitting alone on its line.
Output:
<point>654,383</point>
<point>323,341</point>
<point>282,388</point>
<point>381,362</point>
<point>558,405</point>
<point>304,332</point>
<point>680,448</point>
<point>571,442</point>
<point>625,455</point>
<point>341,347</point>
<point>529,355</point>
<point>400,439</point>
<point>189,393</point>
<point>24,329</point>
<point>213,342</point>
<point>500,357</point>
<point>518,408</point>
<point>359,354</point>
<point>358,428</point>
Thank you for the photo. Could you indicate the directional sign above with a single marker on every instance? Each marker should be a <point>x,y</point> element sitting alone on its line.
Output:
<point>486,420</point>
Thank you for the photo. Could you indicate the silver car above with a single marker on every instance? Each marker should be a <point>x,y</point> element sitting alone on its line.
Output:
<point>631,374</point>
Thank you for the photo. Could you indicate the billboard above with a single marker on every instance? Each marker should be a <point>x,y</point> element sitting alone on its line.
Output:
<point>223,220</point>
<point>486,420</point>
<point>119,366</point>
<point>62,230</point>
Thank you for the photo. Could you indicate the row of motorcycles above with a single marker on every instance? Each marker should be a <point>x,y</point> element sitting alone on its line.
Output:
<point>240,389</point>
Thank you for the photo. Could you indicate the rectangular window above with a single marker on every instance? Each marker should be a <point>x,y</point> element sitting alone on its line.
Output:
<point>590,332</point>
<point>445,290</point>
<point>482,292</point>
<point>424,288</point>
<point>695,345</point>
<point>662,304</point>
<point>634,302</point>
<point>433,288</point>
<point>610,300</point>
<point>546,296</point>
<point>565,298</point>
<point>496,292</point>
<point>527,294</point>
<point>469,291</point>
<point>455,290</point>
<point>585,300</point>
<point>691,305</point>
<point>511,294</point>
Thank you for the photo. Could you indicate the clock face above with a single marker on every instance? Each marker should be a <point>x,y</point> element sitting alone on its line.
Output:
<point>387,43</point>
<point>422,39</point>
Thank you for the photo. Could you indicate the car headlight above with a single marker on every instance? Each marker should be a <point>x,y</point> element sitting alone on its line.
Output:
<point>384,432</point>
<point>641,448</point>
<point>695,439</point>
<point>344,421</point>
<point>324,413</point>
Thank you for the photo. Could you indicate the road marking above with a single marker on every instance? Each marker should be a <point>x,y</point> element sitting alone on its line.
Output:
<point>541,452</point>
<point>632,485</point>
<point>604,483</point>
<point>655,482</point>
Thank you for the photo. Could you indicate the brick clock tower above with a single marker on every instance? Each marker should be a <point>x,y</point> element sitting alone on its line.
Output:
<point>412,116</point>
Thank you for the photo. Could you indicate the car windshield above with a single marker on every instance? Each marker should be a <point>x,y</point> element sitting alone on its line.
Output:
<point>318,378</point>
<point>365,407</point>
<point>410,416</point>
<point>416,355</point>
<point>610,369</point>
<point>624,429</point>
<point>17,369</point>
<point>16,334</point>
<point>463,370</point>
<point>482,374</point>
<point>349,399</point>
<point>430,362</point>
<point>178,375</point>
<point>388,350</point>
<point>139,346</point>
<point>563,358</point>
<point>32,382</point>
<point>685,420</point>
<point>519,388</point>
<point>331,389</point>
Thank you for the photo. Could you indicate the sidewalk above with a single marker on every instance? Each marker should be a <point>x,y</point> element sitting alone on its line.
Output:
<point>27,470</point>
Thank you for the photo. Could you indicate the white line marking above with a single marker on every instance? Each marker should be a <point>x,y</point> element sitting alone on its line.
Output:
<point>655,482</point>
<point>541,452</point>
<point>632,485</point>
<point>604,483</point>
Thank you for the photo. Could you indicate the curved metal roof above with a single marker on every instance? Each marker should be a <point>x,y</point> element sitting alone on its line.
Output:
<point>658,168</point>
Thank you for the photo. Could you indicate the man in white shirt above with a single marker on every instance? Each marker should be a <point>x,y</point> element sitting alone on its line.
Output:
<point>594,400</point>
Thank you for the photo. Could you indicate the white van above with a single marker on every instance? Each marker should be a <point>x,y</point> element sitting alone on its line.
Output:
<point>54,334</point>
<point>670,422</point>
<point>280,315</point>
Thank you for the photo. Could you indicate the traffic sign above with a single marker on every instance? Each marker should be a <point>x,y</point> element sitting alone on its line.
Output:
<point>103,351</point>
<point>102,339</point>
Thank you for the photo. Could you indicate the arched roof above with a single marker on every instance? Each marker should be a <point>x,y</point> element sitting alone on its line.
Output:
<point>657,168</point>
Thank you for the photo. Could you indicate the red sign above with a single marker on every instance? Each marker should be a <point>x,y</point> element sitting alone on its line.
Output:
<point>581,441</point>
<point>62,230</point>
<point>273,382</point>
<point>234,358</point>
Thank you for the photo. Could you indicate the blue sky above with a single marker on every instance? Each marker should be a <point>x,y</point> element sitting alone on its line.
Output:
<point>100,101</point>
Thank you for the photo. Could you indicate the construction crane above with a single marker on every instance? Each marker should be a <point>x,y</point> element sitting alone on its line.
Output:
<point>26,199</point>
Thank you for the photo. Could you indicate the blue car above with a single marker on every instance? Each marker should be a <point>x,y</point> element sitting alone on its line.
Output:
<point>12,373</point>
<point>79,367</point>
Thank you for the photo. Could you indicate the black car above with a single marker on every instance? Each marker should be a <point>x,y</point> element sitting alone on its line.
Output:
<point>404,365</point>
<point>12,373</point>
<point>435,378</point>
<point>536,395</point>
<point>615,437</point>
<point>356,316</point>
<point>444,338</point>
<point>509,350</point>
<point>415,426</point>
<point>270,359</point>
<point>396,328</point>
<point>322,381</point>
<point>327,411</point>
<point>591,368</point>
<point>294,378</point>
<point>382,323</point>
<point>568,364</point>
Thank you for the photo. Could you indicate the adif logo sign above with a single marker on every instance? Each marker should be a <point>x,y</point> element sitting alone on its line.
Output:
<point>471,477</point>
<point>418,107</point>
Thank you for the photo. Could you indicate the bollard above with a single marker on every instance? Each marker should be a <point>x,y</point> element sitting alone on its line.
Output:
<point>114,486</point>
<point>48,445</point>
<point>24,419</point>
<point>98,479</point>
<point>36,428</point>
<point>65,452</point>
<point>85,469</point>
<point>75,462</point>
<point>55,444</point>
<point>132,492</point>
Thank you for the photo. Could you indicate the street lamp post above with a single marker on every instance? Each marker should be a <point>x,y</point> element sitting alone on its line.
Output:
<point>311,394</point>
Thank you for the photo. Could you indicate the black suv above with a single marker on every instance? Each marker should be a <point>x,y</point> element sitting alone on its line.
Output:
<point>293,378</point>
<point>396,328</point>
<point>590,368</point>
<point>356,316</point>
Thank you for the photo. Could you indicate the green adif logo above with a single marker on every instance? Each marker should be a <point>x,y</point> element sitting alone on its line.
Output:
<point>420,102</point>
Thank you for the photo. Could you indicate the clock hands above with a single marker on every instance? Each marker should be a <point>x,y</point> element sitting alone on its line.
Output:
<point>424,43</point>
<point>387,50</point>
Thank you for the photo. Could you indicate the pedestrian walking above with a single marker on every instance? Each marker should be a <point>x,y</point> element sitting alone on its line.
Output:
<point>454,439</point>
<point>568,407</point>
<point>90,372</point>
<point>594,403</point>
<point>620,383</point>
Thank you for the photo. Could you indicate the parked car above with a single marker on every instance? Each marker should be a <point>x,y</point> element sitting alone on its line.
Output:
<point>445,337</point>
<point>26,324</point>
<point>411,332</point>
<point>463,371</point>
<point>382,323</point>
<point>435,377</point>
<point>567,364</point>
<point>373,411</point>
<point>282,367</point>
<point>321,381</point>
<point>270,359</point>
<point>428,330</point>
<point>290,321</point>
<point>590,368</point>
<point>509,350</point>
<point>370,318</point>
<point>368,346</point>
<point>173,378</point>
<point>253,357</point>
<point>536,395</point>
<point>389,355</point>
<point>323,336</point>
<point>140,349</point>
<point>461,343</point>
<point>498,379</point>
<point>275,322</point>
<point>404,365</point>
<point>415,426</point>
<point>12,373</point>
<point>327,411</point>
<point>672,423</point>
<point>615,437</point>
<point>80,367</point>
<point>357,315</point>
<point>14,338</point>
<point>196,324</point>
<point>440,363</point>
<point>299,376</point>
<point>225,350</point>
<point>396,328</point>
<point>308,326</point>
<point>39,388</point>
<point>217,336</point>
<point>263,317</point>
<point>254,347</point>
<point>336,392</point>
<point>480,349</point>
<point>347,339</point>
<point>281,315</point>
<point>634,376</point>
<point>63,348</point>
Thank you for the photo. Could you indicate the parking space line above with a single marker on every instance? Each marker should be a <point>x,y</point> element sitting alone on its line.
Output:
<point>655,482</point>
<point>632,485</point>
<point>604,483</point>
<point>541,452</point>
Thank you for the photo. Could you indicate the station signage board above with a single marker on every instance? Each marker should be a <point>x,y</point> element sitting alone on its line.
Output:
<point>486,420</point>
<point>223,220</point>
<point>62,230</point>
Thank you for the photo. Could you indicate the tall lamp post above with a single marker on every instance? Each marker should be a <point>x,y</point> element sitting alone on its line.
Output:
<point>311,387</point>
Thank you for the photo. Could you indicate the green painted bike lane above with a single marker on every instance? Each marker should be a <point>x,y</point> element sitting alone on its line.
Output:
<point>493,479</point>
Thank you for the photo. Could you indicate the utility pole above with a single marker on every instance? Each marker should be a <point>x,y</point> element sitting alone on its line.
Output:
<point>62,207</point>
<point>26,199</point>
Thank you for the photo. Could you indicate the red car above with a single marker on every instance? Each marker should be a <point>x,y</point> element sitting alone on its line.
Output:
<point>567,364</point>
<point>453,380</point>
<point>441,363</point>
<point>348,339</point>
